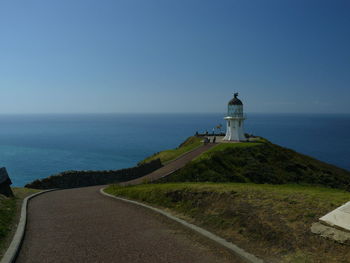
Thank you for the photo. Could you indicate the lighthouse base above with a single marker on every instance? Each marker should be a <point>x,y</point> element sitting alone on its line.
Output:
<point>234,137</point>
<point>235,131</point>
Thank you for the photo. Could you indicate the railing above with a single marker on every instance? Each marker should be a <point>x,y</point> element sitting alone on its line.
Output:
<point>209,134</point>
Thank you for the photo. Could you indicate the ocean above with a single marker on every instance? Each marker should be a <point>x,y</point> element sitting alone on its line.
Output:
<point>36,146</point>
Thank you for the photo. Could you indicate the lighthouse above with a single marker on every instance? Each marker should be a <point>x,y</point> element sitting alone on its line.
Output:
<point>235,119</point>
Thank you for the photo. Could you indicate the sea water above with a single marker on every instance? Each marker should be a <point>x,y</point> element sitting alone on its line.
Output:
<point>36,146</point>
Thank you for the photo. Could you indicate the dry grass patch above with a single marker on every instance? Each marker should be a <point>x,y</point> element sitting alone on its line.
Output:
<point>270,221</point>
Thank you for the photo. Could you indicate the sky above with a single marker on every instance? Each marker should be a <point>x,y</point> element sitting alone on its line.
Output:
<point>140,56</point>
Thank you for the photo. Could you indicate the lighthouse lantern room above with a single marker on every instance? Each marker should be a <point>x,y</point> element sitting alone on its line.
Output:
<point>235,119</point>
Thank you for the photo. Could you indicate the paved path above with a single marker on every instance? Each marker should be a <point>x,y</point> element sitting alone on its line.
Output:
<point>81,225</point>
<point>171,166</point>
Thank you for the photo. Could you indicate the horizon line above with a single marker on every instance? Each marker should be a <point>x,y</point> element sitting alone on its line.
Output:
<point>145,113</point>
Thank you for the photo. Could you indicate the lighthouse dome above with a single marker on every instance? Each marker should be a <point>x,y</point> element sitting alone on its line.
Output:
<point>235,100</point>
<point>235,107</point>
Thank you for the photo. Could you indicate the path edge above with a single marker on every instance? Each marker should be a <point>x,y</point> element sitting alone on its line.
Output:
<point>182,155</point>
<point>247,257</point>
<point>15,245</point>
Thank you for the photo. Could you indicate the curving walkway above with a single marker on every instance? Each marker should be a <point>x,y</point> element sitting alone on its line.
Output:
<point>81,225</point>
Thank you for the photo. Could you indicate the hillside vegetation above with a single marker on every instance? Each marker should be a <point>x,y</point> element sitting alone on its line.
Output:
<point>168,155</point>
<point>260,163</point>
<point>9,214</point>
<point>271,221</point>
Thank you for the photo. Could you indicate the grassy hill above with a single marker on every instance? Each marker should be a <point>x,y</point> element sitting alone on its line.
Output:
<point>271,221</point>
<point>258,195</point>
<point>260,162</point>
<point>168,155</point>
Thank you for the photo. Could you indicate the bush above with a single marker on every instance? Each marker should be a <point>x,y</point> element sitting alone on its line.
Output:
<point>264,163</point>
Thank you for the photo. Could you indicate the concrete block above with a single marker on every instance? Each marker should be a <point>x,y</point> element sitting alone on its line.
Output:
<point>339,217</point>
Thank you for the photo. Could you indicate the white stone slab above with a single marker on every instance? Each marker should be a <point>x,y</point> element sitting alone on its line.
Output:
<point>339,217</point>
<point>337,235</point>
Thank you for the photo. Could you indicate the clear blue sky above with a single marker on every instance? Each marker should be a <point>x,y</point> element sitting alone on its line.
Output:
<point>73,56</point>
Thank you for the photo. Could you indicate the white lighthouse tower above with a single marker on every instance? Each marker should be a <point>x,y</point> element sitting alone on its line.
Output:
<point>235,119</point>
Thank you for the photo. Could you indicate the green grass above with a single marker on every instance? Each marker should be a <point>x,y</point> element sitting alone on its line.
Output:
<point>168,155</point>
<point>225,146</point>
<point>271,221</point>
<point>9,214</point>
<point>155,192</point>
